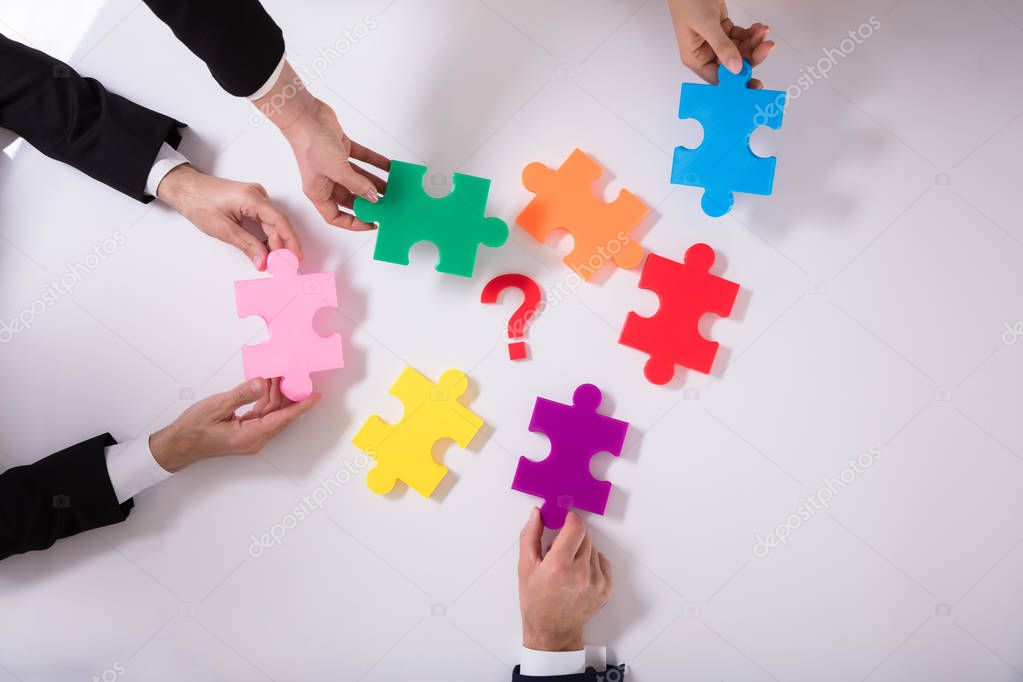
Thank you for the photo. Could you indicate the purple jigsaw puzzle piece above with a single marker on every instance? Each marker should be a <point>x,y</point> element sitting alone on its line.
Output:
<point>577,432</point>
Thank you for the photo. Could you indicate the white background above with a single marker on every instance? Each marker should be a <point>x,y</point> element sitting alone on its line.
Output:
<point>896,197</point>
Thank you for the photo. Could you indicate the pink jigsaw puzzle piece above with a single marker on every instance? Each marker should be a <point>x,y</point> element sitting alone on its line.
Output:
<point>287,302</point>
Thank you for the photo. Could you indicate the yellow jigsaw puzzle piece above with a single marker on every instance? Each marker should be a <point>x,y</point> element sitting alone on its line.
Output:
<point>404,451</point>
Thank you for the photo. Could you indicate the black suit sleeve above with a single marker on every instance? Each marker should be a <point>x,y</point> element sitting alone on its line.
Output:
<point>237,39</point>
<point>612,674</point>
<point>78,121</point>
<point>58,496</point>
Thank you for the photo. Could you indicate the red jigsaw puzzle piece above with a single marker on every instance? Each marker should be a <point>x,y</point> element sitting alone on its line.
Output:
<point>687,292</point>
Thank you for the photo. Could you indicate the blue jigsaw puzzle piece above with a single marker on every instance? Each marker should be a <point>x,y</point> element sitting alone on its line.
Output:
<point>729,113</point>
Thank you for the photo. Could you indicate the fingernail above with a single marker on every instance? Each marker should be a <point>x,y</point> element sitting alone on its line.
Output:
<point>259,261</point>
<point>371,195</point>
<point>256,385</point>
<point>734,65</point>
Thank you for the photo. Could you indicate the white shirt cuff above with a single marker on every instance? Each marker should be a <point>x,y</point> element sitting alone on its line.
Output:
<point>132,468</point>
<point>269,84</point>
<point>550,663</point>
<point>167,159</point>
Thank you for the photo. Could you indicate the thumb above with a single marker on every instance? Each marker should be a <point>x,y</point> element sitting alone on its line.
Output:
<point>725,50</point>
<point>244,393</point>
<point>529,542</point>
<point>355,182</point>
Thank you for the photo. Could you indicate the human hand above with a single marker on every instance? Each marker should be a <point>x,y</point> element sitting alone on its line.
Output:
<point>218,206</point>
<point>329,178</point>
<point>324,152</point>
<point>210,428</point>
<point>560,592</point>
<point>707,38</point>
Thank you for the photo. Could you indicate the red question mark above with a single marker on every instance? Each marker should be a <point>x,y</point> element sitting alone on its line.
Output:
<point>532,295</point>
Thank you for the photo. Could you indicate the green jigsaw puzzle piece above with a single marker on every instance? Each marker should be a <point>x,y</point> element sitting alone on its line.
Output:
<point>406,215</point>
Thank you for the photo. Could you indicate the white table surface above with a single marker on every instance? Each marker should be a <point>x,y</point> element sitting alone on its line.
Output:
<point>877,284</point>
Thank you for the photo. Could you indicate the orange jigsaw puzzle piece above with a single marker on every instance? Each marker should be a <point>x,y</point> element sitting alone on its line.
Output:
<point>565,201</point>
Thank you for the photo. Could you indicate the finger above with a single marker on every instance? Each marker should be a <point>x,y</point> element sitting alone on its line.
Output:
<point>758,31</point>
<point>605,570</point>
<point>333,215</point>
<point>259,408</point>
<point>252,435</point>
<point>244,393</point>
<point>749,46</point>
<point>755,83</point>
<point>724,49</point>
<point>567,543</point>
<point>743,34</point>
<point>247,243</point>
<point>284,399</point>
<point>708,72</point>
<point>760,52</point>
<point>705,64</point>
<point>694,50</point>
<point>378,183</point>
<point>277,227</point>
<point>320,192</point>
<point>529,542</point>
<point>355,182</point>
<point>738,32</point>
<point>703,55</point>
<point>371,157</point>
<point>275,422</point>
<point>275,399</point>
<point>585,549</point>
<point>596,576</point>
<point>344,199</point>
<point>349,222</point>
